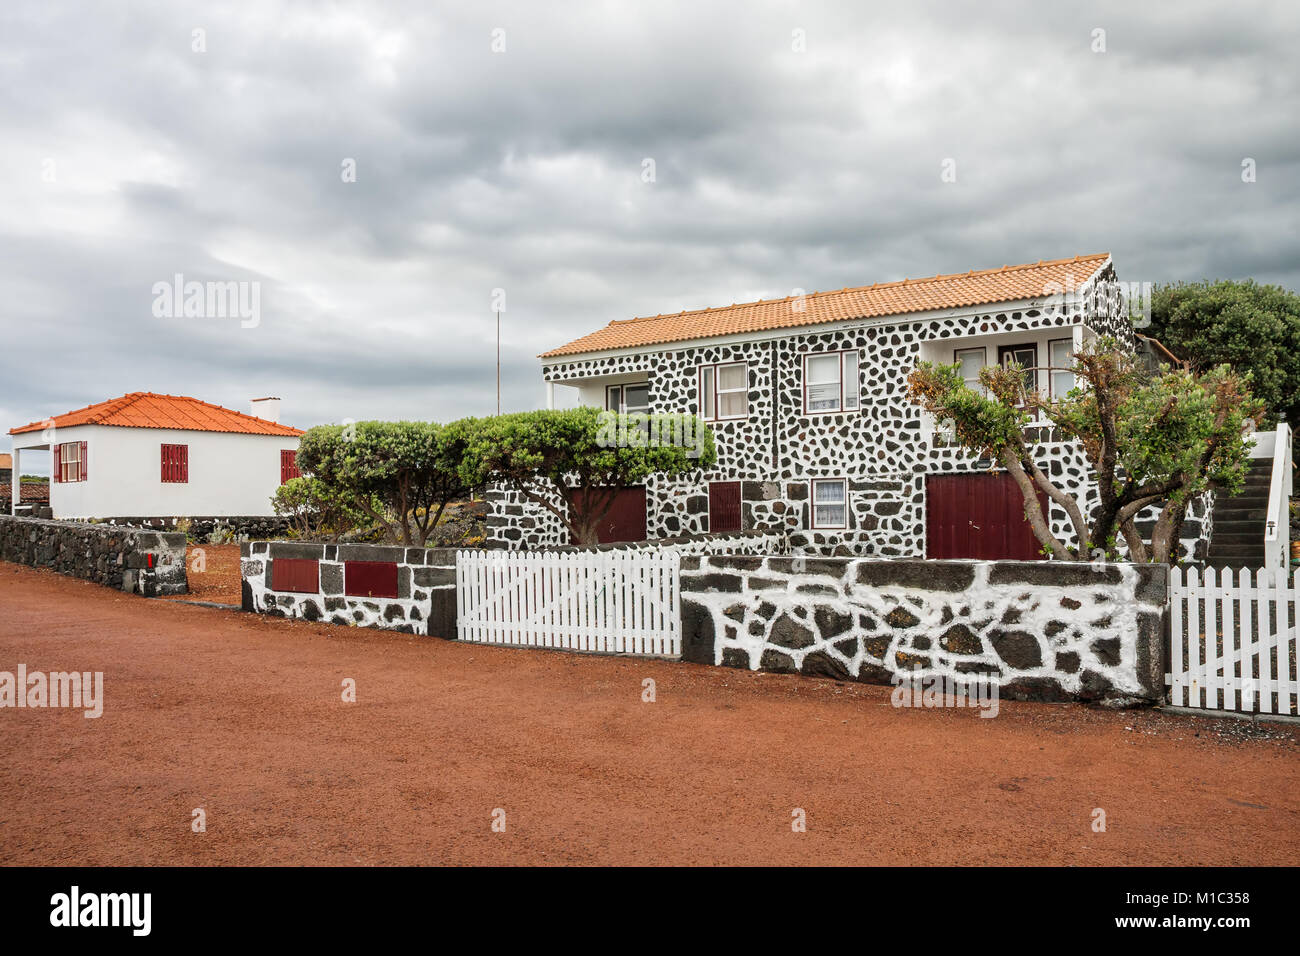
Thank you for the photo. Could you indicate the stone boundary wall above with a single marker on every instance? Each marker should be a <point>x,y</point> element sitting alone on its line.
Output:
<point>1043,630</point>
<point>757,541</point>
<point>130,559</point>
<point>425,578</point>
<point>241,527</point>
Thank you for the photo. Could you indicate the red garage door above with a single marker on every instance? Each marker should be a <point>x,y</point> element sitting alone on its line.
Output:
<point>978,516</point>
<point>626,518</point>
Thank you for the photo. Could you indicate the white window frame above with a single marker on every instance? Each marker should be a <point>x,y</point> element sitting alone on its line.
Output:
<point>813,503</point>
<point>622,398</point>
<point>1053,371</point>
<point>850,384</point>
<point>711,391</point>
<point>975,384</point>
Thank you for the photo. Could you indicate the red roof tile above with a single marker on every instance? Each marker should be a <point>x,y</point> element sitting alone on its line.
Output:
<point>147,410</point>
<point>1008,284</point>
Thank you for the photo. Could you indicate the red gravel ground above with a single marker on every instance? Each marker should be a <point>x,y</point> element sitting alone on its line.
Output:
<point>212,573</point>
<point>242,716</point>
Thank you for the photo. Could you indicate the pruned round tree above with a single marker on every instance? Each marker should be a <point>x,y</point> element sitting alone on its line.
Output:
<point>1150,440</point>
<point>401,474</point>
<point>573,462</point>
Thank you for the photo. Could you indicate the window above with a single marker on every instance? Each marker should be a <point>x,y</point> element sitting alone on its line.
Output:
<point>70,461</point>
<point>830,503</point>
<point>628,399</point>
<point>176,463</point>
<point>971,361</point>
<point>724,391</point>
<point>289,465</point>
<point>831,382</point>
<point>1026,356</point>
<point>1061,359</point>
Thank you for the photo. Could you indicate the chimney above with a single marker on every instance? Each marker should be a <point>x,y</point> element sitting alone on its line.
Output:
<point>267,409</point>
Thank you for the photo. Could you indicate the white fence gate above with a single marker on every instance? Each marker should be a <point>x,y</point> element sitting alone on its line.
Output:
<point>1233,633</point>
<point>615,602</point>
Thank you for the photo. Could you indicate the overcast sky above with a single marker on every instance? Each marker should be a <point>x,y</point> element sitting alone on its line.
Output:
<point>128,156</point>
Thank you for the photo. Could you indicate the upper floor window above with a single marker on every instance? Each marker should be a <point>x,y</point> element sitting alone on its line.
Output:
<point>70,461</point>
<point>971,362</point>
<point>628,399</point>
<point>176,463</point>
<point>289,465</point>
<point>724,391</point>
<point>1060,358</point>
<point>831,382</point>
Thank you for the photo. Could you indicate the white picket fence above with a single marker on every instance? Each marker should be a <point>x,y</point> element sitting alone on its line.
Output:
<point>615,602</point>
<point>1233,640</point>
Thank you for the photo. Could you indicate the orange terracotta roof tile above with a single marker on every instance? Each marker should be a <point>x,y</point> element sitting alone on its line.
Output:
<point>147,410</point>
<point>1008,284</point>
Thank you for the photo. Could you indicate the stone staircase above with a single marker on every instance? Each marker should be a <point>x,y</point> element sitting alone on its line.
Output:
<point>1237,538</point>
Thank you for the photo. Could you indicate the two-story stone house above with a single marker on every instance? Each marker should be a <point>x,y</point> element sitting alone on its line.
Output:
<point>806,397</point>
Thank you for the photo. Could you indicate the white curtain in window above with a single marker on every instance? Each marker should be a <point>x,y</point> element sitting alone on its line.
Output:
<point>828,504</point>
<point>851,386</point>
<point>823,382</point>
<point>732,391</point>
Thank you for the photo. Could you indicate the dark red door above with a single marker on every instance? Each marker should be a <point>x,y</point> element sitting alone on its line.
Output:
<point>724,506</point>
<point>978,516</point>
<point>625,520</point>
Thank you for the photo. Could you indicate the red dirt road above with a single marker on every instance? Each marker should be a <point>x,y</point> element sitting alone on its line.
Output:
<point>242,716</point>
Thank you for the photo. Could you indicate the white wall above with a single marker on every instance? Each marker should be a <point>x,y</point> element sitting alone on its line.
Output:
<point>229,474</point>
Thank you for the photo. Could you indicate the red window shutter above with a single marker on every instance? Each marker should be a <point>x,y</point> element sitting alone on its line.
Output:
<point>288,465</point>
<point>85,464</point>
<point>165,463</point>
<point>185,463</point>
<point>284,467</point>
<point>58,463</point>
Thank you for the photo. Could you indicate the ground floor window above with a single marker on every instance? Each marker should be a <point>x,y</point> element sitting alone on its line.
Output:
<point>176,463</point>
<point>70,461</point>
<point>289,465</point>
<point>830,503</point>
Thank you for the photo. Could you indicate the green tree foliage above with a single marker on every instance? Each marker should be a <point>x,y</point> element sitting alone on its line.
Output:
<point>315,509</point>
<point>573,462</point>
<point>1254,328</point>
<point>401,474</point>
<point>1150,441</point>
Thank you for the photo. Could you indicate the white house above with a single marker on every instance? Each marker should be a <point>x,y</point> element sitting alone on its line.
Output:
<point>145,456</point>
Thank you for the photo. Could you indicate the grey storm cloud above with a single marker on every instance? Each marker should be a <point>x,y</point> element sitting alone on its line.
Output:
<point>130,157</point>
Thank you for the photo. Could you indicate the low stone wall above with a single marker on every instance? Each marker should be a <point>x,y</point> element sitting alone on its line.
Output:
<point>1045,631</point>
<point>724,542</point>
<point>142,562</point>
<point>239,527</point>
<point>423,598</point>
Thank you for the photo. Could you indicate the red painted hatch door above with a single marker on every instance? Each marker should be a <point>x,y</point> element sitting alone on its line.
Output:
<point>625,520</point>
<point>980,517</point>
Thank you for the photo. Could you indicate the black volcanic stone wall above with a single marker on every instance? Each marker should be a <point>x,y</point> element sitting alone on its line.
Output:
<point>130,559</point>
<point>1046,631</point>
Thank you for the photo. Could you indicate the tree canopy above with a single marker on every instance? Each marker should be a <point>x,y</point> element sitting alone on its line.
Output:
<point>1254,328</point>
<point>1150,441</point>
<point>401,474</point>
<point>573,462</point>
